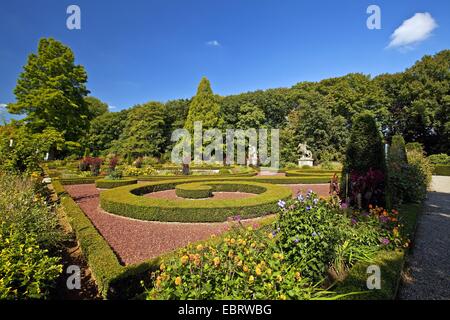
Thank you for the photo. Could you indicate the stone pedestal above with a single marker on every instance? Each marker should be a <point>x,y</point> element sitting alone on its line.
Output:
<point>305,162</point>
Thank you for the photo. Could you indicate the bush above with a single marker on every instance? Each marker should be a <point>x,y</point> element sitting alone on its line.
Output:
<point>24,203</point>
<point>441,170</point>
<point>365,151</point>
<point>26,270</point>
<point>439,159</point>
<point>398,171</point>
<point>246,264</point>
<point>419,175</point>
<point>127,201</point>
<point>113,183</point>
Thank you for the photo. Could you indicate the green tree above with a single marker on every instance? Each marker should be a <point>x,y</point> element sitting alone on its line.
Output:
<point>250,116</point>
<point>144,132</point>
<point>204,107</point>
<point>50,91</point>
<point>95,106</point>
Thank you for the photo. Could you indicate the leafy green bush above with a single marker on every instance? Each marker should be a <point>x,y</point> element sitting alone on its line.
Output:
<point>419,175</point>
<point>24,203</point>
<point>246,264</point>
<point>398,171</point>
<point>365,152</point>
<point>442,159</point>
<point>26,270</point>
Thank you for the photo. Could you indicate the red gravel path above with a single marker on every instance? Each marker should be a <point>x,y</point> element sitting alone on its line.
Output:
<point>135,241</point>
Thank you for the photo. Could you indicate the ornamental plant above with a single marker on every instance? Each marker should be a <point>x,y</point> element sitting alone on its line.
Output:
<point>246,264</point>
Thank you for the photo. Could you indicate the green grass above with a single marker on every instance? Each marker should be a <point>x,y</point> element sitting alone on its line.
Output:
<point>391,264</point>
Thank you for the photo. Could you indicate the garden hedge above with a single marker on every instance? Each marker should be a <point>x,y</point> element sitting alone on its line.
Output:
<point>312,172</point>
<point>110,183</point>
<point>128,201</point>
<point>193,191</point>
<point>72,181</point>
<point>442,170</point>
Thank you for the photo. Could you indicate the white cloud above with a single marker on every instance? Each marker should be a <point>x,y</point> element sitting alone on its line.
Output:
<point>112,107</point>
<point>213,43</point>
<point>413,30</point>
<point>3,105</point>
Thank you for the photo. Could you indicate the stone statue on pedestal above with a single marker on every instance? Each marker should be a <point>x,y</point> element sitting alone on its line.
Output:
<point>306,158</point>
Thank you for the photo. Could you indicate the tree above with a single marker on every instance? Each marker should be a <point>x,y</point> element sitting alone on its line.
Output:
<point>96,107</point>
<point>144,132</point>
<point>204,107</point>
<point>50,91</point>
<point>250,116</point>
<point>105,130</point>
<point>313,122</point>
<point>365,163</point>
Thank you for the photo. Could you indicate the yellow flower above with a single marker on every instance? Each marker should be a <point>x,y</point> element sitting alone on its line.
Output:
<point>275,255</point>
<point>184,259</point>
<point>232,241</point>
<point>283,297</point>
<point>269,271</point>
<point>178,281</point>
<point>258,271</point>
<point>250,228</point>
<point>253,245</point>
<point>245,268</point>
<point>270,235</point>
<point>239,263</point>
<point>162,267</point>
<point>216,261</point>
<point>199,247</point>
<point>279,278</point>
<point>298,276</point>
<point>251,279</point>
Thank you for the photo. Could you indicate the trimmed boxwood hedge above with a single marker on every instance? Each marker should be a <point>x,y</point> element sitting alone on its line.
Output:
<point>442,170</point>
<point>72,181</point>
<point>110,183</point>
<point>311,172</point>
<point>193,191</point>
<point>128,201</point>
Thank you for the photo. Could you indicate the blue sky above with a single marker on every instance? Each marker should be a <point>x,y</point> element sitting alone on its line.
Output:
<point>140,50</point>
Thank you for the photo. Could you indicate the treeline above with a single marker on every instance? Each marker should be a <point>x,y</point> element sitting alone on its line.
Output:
<point>52,92</point>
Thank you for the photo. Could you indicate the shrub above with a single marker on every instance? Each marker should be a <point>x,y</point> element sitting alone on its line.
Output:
<point>441,159</point>
<point>24,203</point>
<point>419,175</point>
<point>365,151</point>
<point>246,264</point>
<point>398,171</point>
<point>113,183</point>
<point>127,201</point>
<point>441,170</point>
<point>26,270</point>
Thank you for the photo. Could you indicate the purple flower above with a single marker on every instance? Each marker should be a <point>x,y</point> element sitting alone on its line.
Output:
<point>308,208</point>
<point>354,221</point>
<point>385,241</point>
<point>274,233</point>
<point>314,234</point>
<point>384,219</point>
<point>316,201</point>
<point>300,198</point>
<point>344,205</point>
<point>297,240</point>
<point>282,204</point>
<point>237,218</point>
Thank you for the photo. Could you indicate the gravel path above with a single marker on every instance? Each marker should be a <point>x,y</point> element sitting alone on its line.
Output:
<point>428,274</point>
<point>135,241</point>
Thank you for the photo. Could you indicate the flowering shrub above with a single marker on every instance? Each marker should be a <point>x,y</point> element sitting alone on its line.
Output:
<point>91,163</point>
<point>131,171</point>
<point>368,185</point>
<point>247,264</point>
<point>313,232</point>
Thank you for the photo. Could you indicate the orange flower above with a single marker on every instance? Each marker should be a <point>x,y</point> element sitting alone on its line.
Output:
<point>178,281</point>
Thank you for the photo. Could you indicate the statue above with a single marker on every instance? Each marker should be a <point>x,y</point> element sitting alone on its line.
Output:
<point>306,158</point>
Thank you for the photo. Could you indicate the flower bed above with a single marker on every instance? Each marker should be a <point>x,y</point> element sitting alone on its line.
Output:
<point>113,183</point>
<point>128,201</point>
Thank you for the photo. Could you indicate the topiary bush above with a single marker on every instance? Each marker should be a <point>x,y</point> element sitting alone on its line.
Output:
<point>398,172</point>
<point>365,152</point>
<point>113,183</point>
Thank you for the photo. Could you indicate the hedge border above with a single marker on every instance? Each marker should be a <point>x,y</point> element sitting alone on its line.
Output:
<point>391,264</point>
<point>441,170</point>
<point>110,183</point>
<point>126,201</point>
<point>193,191</point>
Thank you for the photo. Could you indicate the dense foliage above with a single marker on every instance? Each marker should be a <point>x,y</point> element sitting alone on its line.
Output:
<point>29,237</point>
